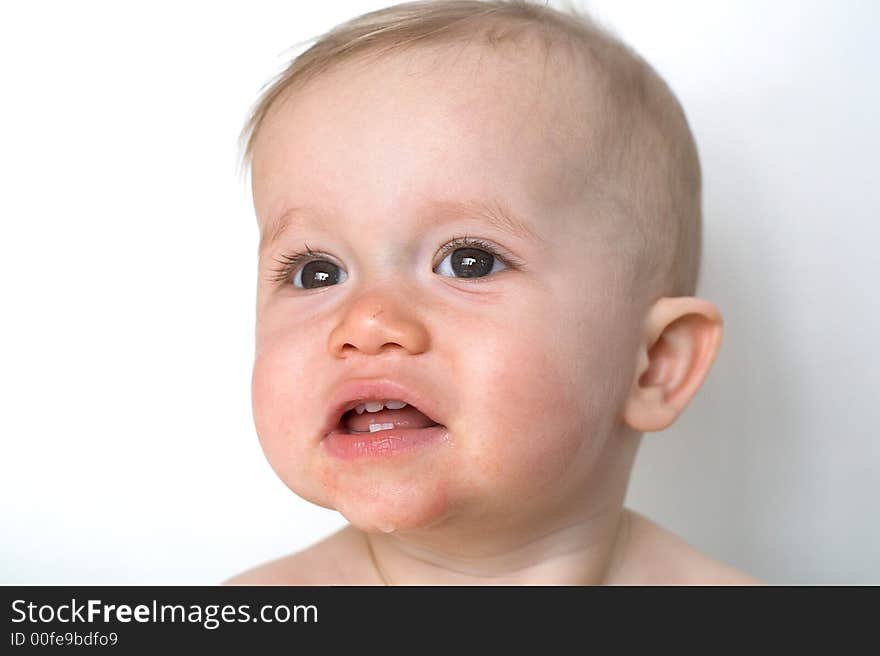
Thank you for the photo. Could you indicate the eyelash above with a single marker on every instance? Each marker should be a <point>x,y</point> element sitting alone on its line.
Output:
<point>290,262</point>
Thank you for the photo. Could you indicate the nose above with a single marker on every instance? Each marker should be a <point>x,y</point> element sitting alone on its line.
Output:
<point>376,321</point>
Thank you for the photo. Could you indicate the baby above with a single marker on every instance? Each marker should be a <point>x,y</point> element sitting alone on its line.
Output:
<point>480,239</point>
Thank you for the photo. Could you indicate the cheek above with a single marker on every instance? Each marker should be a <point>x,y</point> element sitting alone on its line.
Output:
<point>272,388</point>
<point>528,416</point>
<point>538,405</point>
<point>284,395</point>
<point>278,408</point>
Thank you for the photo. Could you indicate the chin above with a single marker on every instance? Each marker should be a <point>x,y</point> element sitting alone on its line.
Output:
<point>386,506</point>
<point>409,493</point>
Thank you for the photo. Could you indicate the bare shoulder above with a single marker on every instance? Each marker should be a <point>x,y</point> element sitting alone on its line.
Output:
<point>653,555</point>
<point>339,559</point>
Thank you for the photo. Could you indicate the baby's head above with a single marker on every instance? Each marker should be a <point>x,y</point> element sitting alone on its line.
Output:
<point>490,210</point>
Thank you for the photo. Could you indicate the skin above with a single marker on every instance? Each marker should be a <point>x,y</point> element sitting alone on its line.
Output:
<point>546,372</point>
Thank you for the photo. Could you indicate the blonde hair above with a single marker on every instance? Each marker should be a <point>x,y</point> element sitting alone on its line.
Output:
<point>647,152</point>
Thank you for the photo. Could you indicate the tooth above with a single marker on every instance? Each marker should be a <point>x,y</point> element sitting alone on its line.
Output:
<point>360,409</point>
<point>378,427</point>
<point>394,405</point>
<point>374,406</point>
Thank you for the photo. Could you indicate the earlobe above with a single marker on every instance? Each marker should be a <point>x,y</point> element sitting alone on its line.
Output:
<point>682,337</point>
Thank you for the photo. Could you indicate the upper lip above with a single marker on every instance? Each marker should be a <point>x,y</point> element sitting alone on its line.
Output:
<point>355,391</point>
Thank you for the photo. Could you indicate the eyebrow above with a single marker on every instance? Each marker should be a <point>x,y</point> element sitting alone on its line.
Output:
<point>494,213</point>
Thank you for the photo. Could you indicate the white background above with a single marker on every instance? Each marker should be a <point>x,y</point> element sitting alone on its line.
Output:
<point>127,272</point>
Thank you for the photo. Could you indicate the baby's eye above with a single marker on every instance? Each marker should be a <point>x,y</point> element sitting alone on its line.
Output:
<point>307,271</point>
<point>318,273</point>
<point>469,261</point>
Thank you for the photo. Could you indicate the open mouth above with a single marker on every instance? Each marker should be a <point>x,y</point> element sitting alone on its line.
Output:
<point>380,418</point>
<point>385,415</point>
<point>380,429</point>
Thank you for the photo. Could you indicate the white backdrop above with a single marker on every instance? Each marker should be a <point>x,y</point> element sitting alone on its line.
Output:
<point>127,271</point>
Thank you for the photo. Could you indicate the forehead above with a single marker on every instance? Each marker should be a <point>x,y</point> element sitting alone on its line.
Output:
<point>454,122</point>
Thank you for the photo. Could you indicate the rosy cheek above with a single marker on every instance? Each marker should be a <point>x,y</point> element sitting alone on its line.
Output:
<point>260,391</point>
<point>274,413</point>
<point>529,430</point>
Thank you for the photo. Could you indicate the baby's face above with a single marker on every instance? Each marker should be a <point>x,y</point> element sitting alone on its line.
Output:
<point>527,362</point>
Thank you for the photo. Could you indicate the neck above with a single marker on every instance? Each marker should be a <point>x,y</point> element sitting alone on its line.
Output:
<point>585,552</point>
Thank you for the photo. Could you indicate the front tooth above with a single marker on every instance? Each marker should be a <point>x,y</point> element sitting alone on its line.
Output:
<point>379,427</point>
<point>360,409</point>
<point>374,406</point>
<point>394,405</point>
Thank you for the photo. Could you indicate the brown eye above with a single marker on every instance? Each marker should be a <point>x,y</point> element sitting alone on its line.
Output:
<point>318,273</point>
<point>469,262</point>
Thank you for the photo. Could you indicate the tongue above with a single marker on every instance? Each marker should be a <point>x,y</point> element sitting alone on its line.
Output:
<point>406,417</point>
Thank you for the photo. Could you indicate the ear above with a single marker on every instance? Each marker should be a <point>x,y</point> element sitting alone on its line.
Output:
<point>681,339</point>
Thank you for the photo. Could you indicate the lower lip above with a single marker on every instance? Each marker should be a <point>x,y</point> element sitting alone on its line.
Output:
<point>381,444</point>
